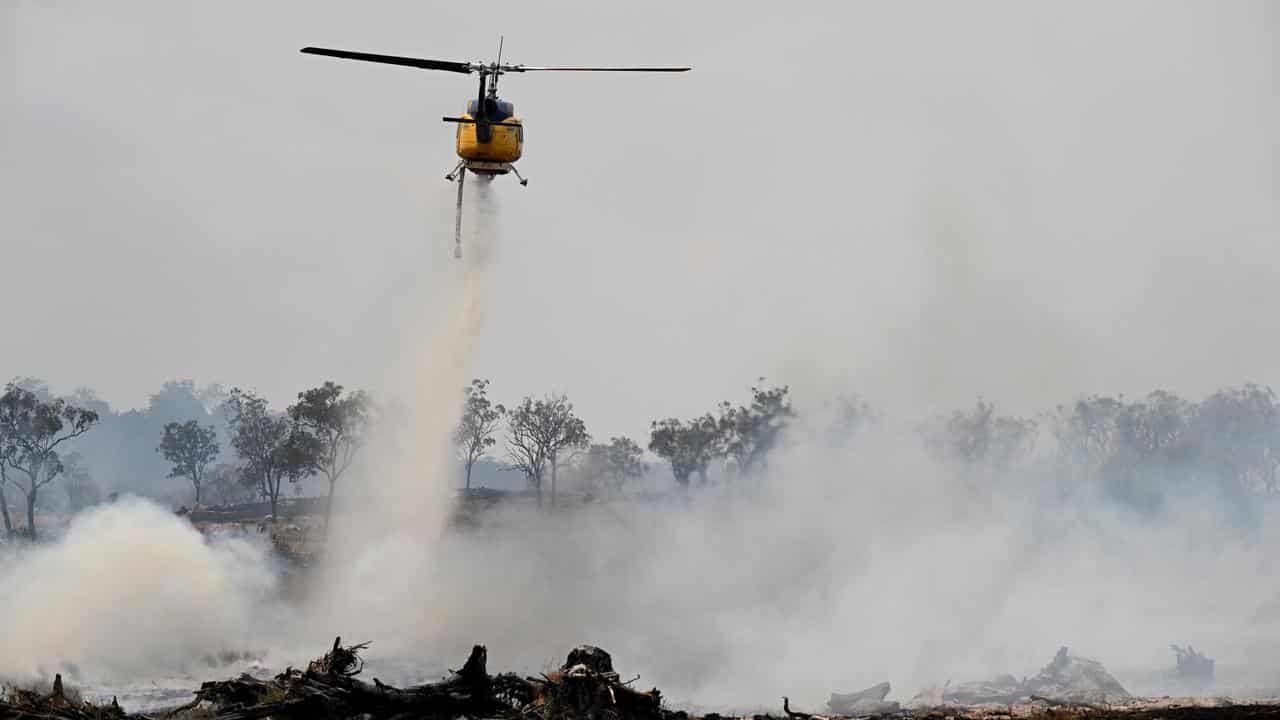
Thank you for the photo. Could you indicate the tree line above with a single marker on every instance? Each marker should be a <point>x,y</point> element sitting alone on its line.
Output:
<point>1135,450</point>
<point>230,446</point>
<point>317,436</point>
<point>541,435</point>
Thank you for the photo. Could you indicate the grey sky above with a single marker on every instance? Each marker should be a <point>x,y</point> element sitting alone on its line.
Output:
<point>921,201</point>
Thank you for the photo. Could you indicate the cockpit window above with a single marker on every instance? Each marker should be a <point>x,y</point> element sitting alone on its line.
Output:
<point>495,110</point>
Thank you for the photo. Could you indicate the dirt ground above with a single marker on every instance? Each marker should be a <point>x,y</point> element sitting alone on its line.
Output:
<point>1143,709</point>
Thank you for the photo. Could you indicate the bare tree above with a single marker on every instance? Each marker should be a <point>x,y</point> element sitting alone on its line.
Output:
<point>524,452</point>
<point>191,449</point>
<point>476,428</point>
<point>336,423</point>
<point>561,430</point>
<point>540,431</point>
<point>32,430</point>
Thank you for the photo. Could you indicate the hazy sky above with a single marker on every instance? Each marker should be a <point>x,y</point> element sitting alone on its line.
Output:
<point>921,201</point>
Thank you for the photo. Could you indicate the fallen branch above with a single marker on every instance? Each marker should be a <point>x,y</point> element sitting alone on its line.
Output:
<point>1053,702</point>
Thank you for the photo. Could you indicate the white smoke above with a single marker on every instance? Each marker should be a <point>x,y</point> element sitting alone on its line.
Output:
<point>375,583</point>
<point>847,563</point>
<point>131,589</point>
<point>844,566</point>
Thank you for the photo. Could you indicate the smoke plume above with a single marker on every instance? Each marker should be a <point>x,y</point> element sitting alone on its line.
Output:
<point>132,590</point>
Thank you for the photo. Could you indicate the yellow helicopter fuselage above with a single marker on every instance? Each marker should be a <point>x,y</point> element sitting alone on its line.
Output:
<point>505,145</point>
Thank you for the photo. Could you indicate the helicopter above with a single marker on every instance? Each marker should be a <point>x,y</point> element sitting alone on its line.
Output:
<point>490,137</point>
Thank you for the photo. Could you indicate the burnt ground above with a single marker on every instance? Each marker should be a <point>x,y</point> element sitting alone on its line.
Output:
<point>1173,709</point>
<point>586,687</point>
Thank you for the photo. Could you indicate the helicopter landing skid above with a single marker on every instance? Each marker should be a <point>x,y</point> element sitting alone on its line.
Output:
<point>486,171</point>
<point>484,168</point>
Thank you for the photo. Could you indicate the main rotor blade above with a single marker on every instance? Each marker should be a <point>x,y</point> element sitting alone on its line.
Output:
<point>527,68</point>
<point>421,63</point>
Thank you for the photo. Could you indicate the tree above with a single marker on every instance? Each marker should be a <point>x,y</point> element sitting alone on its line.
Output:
<point>688,447</point>
<point>706,441</point>
<point>1154,425</point>
<point>524,452</point>
<point>35,386</point>
<point>539,432</point>
<point>212,397</point>
<point>1087,434</point>
<point>191,449</point>
<point>849,416</point>
<point>335,425</point>
<point>750,432</point>
<point>225,484</point>
<point>4,482</point>
<point>980,439</point>
<point>121,450</point>
<point>476,428</point>
<point>82,491</point>
<point>268,445</point>
<point>1150,449</point>
<point>561,430</point>
<point>177,400</point>
<point>668,440</point>
<point>616,462</point>
<point>31,431</point>
<point>1237,433</point>
<point>1134,449</point>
